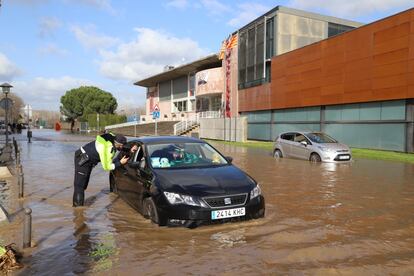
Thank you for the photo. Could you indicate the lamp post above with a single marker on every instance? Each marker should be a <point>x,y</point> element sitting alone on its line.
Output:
<point>6,90</point>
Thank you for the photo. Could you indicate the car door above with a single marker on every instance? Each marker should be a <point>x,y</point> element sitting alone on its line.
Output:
<point>299,149</point>
<point>137,178</point>
<point>285,143</point>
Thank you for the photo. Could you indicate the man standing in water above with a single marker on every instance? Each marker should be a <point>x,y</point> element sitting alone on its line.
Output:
<point>102,150</point>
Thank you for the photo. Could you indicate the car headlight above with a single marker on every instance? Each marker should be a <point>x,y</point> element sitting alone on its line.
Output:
<point>325,149</point>
<point>255,192</point>
<point>175,199</point>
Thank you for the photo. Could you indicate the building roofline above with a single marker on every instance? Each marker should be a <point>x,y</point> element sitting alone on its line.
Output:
<point>311,15</point>
<point>207,62</point>
<point>344,33</point>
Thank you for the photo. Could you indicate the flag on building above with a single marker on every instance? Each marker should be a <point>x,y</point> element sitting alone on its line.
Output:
<point>228,43</point>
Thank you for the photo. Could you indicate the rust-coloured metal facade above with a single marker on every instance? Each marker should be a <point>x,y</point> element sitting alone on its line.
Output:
<point>372,63</point>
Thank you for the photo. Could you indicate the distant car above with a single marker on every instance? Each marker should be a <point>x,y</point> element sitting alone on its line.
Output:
<point>183,181</point>
<point>312,146</point>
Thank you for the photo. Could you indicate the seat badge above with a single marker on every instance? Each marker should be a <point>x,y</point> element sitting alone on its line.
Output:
<point>227,201</point>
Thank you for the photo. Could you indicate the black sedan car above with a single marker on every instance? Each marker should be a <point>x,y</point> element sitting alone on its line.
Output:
<point>182,181</point>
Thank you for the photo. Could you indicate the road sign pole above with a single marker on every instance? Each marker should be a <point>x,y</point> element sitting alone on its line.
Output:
<point>155,116</point>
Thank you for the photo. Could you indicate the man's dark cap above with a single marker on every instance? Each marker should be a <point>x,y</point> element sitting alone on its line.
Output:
<point>121,139</point>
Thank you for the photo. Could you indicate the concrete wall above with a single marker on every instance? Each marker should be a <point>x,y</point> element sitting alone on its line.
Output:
<point>210,81</point>
<point>229,129</point>
<point>294,32</point>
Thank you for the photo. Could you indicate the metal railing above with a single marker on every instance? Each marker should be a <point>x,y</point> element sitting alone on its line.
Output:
<point>183,126</point>
<point>187,124</point>
<point>209,114</point>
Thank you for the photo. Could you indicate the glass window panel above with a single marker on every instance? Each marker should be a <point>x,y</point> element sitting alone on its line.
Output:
<point>269,38</point>
<point>260,116</point>
<point>165,91</point>
<point>180,87</point>
<point>259,51</point>
<point>374,136</point>
<point>333,113</point>
<point>313,113</point>
<point>242,57</point>
<point>370,111</point>
<point>335,29</point>
<point>250,54</point>
<point>393,110</point>
<point>258,132</point>
<point>350,112</point>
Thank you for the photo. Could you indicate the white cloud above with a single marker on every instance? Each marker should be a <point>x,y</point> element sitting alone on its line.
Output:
<point>52,49</point>
<point>8,70</point>
<point>88,37</point>
<point>246,13</point>
<point>179,4</point>
<point>148,54</point>
<point>48,26</point>
<point>350,9</point>
<point>45,93</point>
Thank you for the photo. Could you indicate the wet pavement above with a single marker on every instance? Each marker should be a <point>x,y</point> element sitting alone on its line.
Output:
<point>322,219</point>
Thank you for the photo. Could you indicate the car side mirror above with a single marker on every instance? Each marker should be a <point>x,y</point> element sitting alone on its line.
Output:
<point>304,143</point>
<point>229,159</point>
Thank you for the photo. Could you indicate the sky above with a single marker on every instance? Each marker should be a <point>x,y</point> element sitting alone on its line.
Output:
<point>48,47</point>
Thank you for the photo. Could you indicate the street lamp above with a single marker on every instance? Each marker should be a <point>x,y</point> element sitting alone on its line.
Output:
<point>6,90</point>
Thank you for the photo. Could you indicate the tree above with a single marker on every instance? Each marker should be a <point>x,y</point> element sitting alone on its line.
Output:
<point>86,100</point>
<point>14,109</point>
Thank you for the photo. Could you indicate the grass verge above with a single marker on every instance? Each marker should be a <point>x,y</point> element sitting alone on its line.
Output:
<point>356,152</point>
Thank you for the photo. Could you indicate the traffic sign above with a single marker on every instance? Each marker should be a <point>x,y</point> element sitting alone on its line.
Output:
<point>155,114</point>
<point>156,108</point>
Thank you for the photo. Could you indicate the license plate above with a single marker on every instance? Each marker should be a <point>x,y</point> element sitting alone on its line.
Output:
<point>228,213</point>
<point>344,157</point>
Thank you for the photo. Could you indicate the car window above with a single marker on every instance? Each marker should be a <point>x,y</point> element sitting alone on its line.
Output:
<point>287,136</point>
<point>300,138</point>
<point>139,154</point>
<point>184,155</point>
<point>320,138</point>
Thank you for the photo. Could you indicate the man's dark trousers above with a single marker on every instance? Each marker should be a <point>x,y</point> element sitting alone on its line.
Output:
<point>82,175</point>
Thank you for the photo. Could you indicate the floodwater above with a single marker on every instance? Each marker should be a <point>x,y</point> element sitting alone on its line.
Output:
<point>321,219</point>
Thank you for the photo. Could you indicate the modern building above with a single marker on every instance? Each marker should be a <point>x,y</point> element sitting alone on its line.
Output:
<point>174,90</point>
<point>209,84</point>
<point>295,70</point>
<point>357,86</point>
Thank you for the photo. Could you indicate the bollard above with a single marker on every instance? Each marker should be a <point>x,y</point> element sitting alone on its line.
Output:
<point>17,159</point>
<point>20,169</point>
<point>27,230</point>
<point>21,184</point>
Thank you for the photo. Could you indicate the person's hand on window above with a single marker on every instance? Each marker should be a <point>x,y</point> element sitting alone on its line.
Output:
<point>124,160</point>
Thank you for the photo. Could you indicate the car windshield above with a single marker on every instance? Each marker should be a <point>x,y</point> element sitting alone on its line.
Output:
<point>320,138</point>
<point>183,155</point>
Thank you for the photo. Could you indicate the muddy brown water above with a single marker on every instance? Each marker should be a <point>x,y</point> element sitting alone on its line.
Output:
<point>322,219</point>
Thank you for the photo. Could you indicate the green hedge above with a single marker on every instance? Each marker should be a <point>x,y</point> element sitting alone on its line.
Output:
<point>104,120</point>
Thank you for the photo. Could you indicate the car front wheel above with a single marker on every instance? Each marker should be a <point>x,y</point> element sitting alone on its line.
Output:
<point>315,158</point>
<point>277,154</point>
<point>150,210</point>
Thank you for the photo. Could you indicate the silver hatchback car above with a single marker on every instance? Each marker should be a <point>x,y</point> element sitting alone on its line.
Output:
<point>312,146</point>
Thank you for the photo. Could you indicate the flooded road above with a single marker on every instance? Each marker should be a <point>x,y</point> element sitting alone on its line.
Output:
<point>322,219</point>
